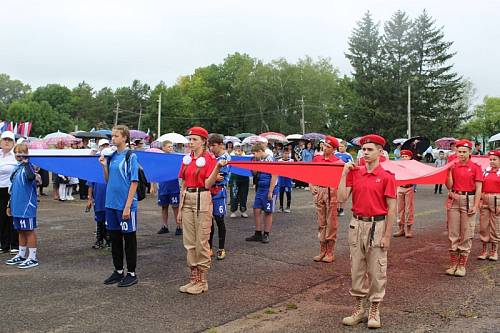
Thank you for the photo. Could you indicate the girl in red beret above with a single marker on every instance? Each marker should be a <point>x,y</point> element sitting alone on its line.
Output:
<point>489,230</point>
<point>198,172</point>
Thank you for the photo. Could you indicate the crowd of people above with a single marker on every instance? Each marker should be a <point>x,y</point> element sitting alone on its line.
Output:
<point>199,205</point>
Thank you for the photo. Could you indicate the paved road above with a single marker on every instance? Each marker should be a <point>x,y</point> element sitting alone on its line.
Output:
<point>273,287</point>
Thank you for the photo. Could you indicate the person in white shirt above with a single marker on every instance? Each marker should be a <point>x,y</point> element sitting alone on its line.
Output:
<point>9,240</point>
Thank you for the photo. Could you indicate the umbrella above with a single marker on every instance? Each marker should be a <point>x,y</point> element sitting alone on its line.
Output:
<point>89,135</point>
<point>355,141</point>
<point>444,143</point>
<point>495,137</point>
<point>154,150</point>
<point>294,137</point>
<point>104,131</point>
<point>417,145</point>
<point>313,136</point>
<point>155,144</point>
<point>399,141</point>
<point>40,144</point>
<point>136,134</point>
<point>274,136</point>
<point>254,139</point>
<point>174,138</point>
<point>232,139</point>
<point>54,138</point>
<point>242,136</point>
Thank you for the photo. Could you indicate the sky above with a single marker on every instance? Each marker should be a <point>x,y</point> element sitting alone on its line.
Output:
<point>110,43</point>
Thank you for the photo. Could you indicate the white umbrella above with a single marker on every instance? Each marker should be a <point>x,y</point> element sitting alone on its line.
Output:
<point>54,138</point>
<point>399,141</point>
<point>495,137</point>
<point>294,137</point>
<point>254,139</point>
<point>173,137</point>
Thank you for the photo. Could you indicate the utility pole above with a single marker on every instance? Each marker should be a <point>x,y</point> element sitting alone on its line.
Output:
<point>116,112</point>
<point>409,110</point>
<point>159,116</point>
<point>140,115</point>
<point>302,120</point>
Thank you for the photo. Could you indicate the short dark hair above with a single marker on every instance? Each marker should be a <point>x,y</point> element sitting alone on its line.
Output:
<point>215,138</point>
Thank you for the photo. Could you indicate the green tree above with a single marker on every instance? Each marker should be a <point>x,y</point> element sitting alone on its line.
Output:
<point>485,121</point>
<point>396,72</point>
<point>11,90</point>
<point>437,91</point>
<point>43,117</point>
<point>58,97</point>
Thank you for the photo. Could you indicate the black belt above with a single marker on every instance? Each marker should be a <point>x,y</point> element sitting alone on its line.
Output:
<point>376,218</point>
<point>464,192</point>
<point>195,189</point>
<point>406,186</point>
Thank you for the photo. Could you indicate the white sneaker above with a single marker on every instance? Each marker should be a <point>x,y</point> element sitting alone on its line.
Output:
<point>14,251</point>
<point>28,264</point>
<point>306,188</point>
<point>244,214</point>
<point>233,215</point>
<point>287,210</point>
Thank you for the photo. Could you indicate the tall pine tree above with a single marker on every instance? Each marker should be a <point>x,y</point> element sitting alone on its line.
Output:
<point>396,72</point>
<point>437,91</point>
<point>364,54</point>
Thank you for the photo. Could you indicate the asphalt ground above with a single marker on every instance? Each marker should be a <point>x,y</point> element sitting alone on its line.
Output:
<point>273,287</point>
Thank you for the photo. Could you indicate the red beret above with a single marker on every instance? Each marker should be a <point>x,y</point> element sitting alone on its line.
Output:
<point>464,143</point>
<point>372,138</point>
<point>406,152</point>
<point>494,153</point>
<point>198,131</point>
<point>332,141</point>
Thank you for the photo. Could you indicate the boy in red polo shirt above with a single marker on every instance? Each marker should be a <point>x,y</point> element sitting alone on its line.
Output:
<point>405,203</point>
<point>325,201</point>
<point>489,221</point>
<point>465,180</point>
<point>374,209</point>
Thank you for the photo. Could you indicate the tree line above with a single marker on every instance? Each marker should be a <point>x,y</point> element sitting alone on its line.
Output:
<point>245,94</point>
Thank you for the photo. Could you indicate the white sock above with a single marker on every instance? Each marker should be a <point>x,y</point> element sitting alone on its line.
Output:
<point>62,191</point>
<point>120,271</point>
<point>132,273</point>
<point>22,251</point>
<point>32,254</point>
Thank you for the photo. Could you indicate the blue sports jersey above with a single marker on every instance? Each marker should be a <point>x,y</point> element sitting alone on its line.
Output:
<point>225,171</point>
<point>121,176</point>
<point>170,187</point>
<point>264,179</point>
<point>23,197</point>
<point>99,196</point>
<point>285,181</point>
<point>346,157</point>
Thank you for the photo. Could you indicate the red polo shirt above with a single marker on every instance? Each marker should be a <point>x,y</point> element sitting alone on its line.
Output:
<point>363,162</point>
<point>370,189</point>
<point>323,159</point>
<point>465,176</point>
<point>491,182</point>
<point>188,173</point>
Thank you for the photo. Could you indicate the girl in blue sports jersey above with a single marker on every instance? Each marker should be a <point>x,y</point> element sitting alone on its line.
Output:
<point>22,208</point>
<point>121,174</point>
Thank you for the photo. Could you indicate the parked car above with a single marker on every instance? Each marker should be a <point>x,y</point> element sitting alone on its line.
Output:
<point>432,154</point>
